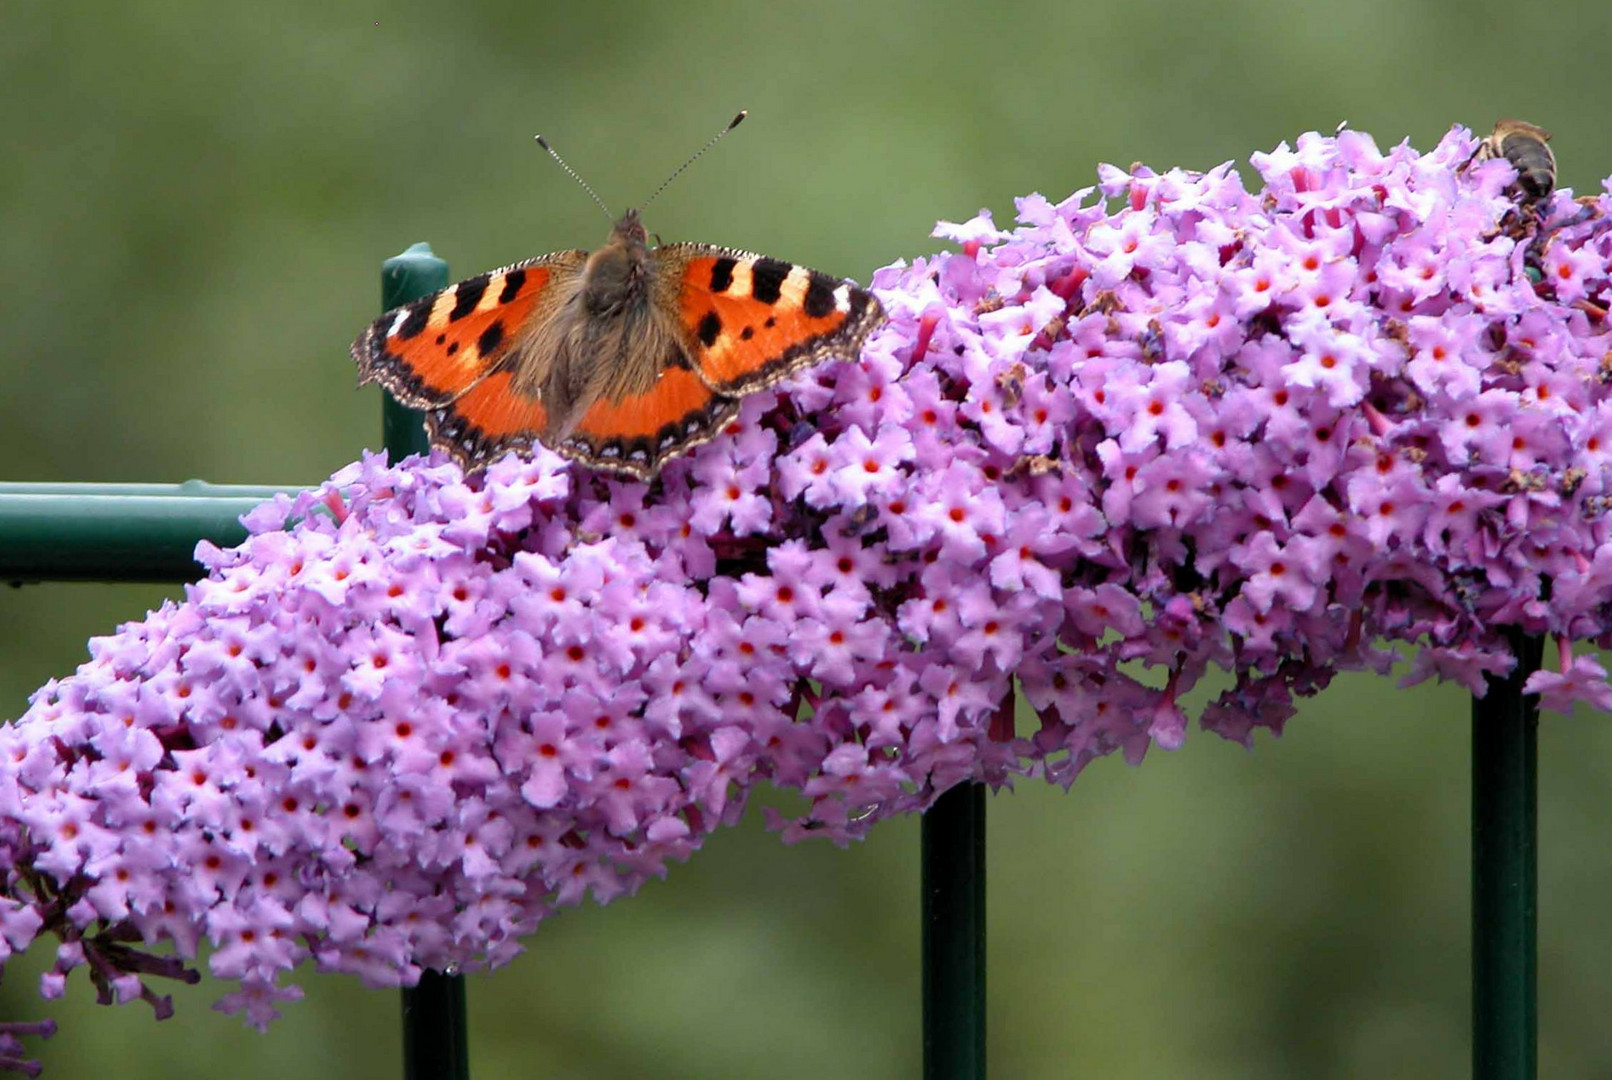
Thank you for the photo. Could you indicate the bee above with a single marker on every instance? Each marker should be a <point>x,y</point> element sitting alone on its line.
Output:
<point>1522,144</point>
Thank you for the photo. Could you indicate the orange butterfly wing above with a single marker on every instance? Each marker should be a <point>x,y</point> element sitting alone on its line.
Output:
<point>637,434</point>
<point>446,353</point>
<point>486,421</point>
<point>751,320</point>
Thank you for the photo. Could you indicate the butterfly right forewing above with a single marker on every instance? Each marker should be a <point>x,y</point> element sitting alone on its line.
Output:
<point>751,321</point>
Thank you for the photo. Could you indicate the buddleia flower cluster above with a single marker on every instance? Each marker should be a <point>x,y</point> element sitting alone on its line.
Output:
<point>1166,426</point>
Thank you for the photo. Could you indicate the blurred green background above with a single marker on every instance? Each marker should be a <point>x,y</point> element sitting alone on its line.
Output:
<point>194,199</point>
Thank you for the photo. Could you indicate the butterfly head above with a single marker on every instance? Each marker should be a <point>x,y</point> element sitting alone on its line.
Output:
<point>615,274</point>
<point>629,230</point>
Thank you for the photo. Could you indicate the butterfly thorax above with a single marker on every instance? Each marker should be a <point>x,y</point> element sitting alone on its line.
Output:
<point>615,276</point>
<point>607,342</point>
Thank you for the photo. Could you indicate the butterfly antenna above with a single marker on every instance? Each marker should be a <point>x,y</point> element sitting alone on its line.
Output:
<point>544,143</point>
<point>735,122</point>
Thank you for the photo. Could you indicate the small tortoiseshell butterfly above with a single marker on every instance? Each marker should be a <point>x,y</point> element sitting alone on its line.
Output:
<point>620,359</point>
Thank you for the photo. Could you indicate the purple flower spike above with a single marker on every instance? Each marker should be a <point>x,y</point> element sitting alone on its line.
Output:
<point>1179,425</point>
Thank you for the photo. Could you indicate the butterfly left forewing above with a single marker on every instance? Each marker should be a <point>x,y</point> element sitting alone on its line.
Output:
<point>749,321</point>
<point>458,354</point>
<point>428,353</point>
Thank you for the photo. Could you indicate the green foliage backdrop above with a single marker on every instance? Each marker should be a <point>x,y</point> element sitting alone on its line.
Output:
<point>194,199</point>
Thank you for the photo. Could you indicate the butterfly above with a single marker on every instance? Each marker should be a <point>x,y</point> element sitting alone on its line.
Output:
<point>620,359</point>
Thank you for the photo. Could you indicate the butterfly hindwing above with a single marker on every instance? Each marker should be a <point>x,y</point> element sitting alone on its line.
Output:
<point>638,433</point>
<point>486,420</point>
<point>751,320</point>
<point>430,352</point>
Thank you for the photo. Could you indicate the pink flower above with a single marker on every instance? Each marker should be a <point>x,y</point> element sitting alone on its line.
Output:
<point>1174,423</point>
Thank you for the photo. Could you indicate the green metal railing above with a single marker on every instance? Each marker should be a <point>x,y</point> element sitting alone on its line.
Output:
<point>117,532</point>
<point>148,533</point>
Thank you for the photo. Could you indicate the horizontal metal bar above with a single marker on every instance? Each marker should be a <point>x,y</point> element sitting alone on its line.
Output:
<point>189,488</point>
<point>118,532</point>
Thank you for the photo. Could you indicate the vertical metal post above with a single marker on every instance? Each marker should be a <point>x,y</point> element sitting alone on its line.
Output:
<point>435,1034</point>
<point>415,273</point>
<point>435,1043</point>
<point>1505,1015</point>
<point>954,935</point>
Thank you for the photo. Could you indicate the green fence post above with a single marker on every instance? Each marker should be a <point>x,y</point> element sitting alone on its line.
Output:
<point>435,1036</point>
<point>415,273</point>
<point>954,935</point>
<point>435,1043</point>
<point>1505,729</point>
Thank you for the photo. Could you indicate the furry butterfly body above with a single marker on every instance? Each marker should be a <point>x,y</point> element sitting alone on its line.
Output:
<point>620,359</point>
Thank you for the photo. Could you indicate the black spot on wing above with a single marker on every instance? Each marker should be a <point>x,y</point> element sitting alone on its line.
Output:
<point>490,339</point>
<point>722,274</point>
<point>747,333</point>
<point>710,329</point>
<point>767,279</point>
<point>819,301</point>
<point>414,325</point>
<point>512,285</point>
<point>467,294</point>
